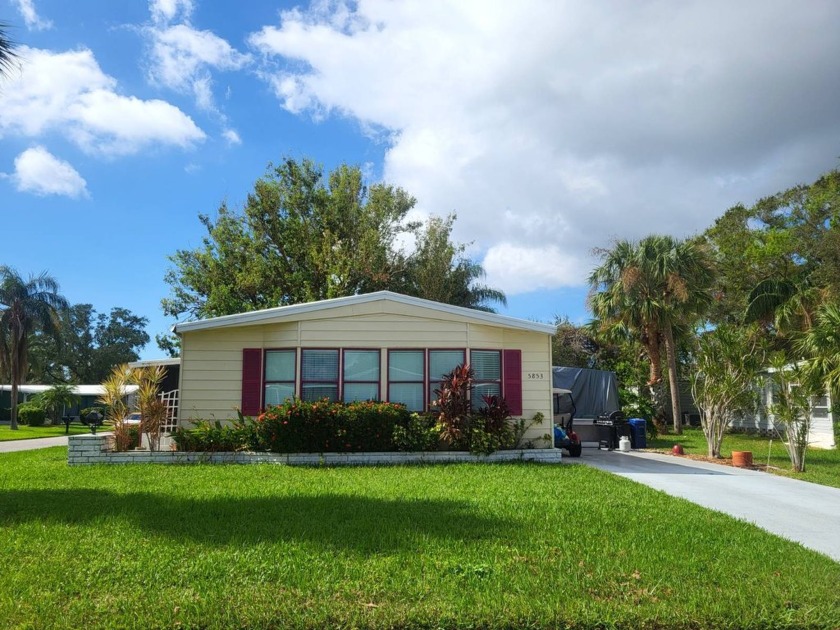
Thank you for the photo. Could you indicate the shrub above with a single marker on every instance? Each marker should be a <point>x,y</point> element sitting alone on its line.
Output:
<point>420,433</point>
<point>491,430</point>
<point>31,414</point>
<point>215,436</point>
<point>298,426</point>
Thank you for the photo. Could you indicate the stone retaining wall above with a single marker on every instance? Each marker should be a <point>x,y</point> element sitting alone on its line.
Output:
<point>95,449</point>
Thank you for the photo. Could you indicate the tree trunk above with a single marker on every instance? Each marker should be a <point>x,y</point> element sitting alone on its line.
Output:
<point>671,353</point>
<point>651,344</point>
<point>14,424</point>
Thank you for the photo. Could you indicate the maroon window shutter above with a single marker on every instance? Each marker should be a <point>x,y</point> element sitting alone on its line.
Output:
<point>512,380</point>
<point>251,381</point>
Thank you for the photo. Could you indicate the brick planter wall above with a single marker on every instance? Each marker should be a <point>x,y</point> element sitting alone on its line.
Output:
<point>95,449</point>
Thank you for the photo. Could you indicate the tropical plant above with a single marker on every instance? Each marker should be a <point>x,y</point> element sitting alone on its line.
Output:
<point>821,346</point>
<point>7,50</point>
<point>26,306</point>
<point>57,398</point>
<point>114,400</point>
<point>723,378</point>
<point>153,411</point>
<point>791,407</point>
<point>453,404</point>
<point>650,289</point>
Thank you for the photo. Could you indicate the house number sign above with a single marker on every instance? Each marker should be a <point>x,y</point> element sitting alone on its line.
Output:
<point>535,376</point>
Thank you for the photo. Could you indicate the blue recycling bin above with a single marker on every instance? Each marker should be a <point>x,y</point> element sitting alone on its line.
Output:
<point>638,432</point>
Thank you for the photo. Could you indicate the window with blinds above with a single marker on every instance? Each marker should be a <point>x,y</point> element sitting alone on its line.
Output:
<point>319,374</point>
<point>487,367</point>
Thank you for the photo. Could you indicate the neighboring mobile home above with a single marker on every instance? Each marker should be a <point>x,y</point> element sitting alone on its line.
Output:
<point>377,346</point>
<point>821,433</point>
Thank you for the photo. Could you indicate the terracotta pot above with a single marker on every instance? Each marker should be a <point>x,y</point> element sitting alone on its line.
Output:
<point>742,459</point>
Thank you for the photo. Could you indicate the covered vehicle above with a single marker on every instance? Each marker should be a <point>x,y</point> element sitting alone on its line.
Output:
<point>595,393</point>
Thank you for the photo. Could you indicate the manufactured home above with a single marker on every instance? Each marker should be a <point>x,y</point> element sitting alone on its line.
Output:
<point>378,346</point>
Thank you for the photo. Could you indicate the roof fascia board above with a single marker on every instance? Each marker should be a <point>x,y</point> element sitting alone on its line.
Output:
<point>290,312</point>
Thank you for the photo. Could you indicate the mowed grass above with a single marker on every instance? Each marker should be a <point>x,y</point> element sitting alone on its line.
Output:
<point>821,465</point>
<point>25,432</point>
<point>467,546</point>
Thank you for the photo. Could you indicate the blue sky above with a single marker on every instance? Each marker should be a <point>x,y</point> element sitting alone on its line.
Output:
<point>549,127</point>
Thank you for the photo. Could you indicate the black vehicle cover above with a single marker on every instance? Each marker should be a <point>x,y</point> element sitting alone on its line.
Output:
<point>595,391</point>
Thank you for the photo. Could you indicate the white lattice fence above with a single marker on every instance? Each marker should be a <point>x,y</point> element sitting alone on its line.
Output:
<point>171,400</point>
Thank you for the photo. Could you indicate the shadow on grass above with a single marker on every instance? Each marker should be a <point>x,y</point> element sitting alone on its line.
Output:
<point>335,521</point>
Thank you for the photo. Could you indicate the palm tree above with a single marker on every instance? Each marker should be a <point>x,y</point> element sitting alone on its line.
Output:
<point>441,271</point>
<point>820,344</point>
<point>25,306</point>
<point>7,52</point>
<point>650,289</point>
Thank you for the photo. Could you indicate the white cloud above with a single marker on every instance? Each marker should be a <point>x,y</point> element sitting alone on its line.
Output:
<point>231,137</point>
<point>38,171</point>
<point>68,93</point>
<point>168,10</point>
<point>30,15</point>
<point>551,127</point>
<point>182,58</point>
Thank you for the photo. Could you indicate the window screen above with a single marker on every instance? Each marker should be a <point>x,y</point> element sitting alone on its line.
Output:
<point>279,376</point>
<point>442,362</point>
<point>361,375</point>
<point>406,370</point>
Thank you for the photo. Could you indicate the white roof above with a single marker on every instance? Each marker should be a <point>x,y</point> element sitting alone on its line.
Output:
<point>291,312</point>
<point>79,390</point>
<point>154,362</point>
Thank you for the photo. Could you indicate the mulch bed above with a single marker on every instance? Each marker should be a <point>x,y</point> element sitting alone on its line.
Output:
<point>723,461</point>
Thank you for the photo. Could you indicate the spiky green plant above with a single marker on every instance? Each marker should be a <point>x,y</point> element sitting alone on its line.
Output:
<point>152,410</point>
<point>116,408</point>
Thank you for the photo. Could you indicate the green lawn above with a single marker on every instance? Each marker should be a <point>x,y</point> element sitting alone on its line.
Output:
<point>25,432</point>
<point>821,465</point>
<point>470,546</point>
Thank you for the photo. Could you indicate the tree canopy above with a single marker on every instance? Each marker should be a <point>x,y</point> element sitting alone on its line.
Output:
<point>304,235</point>
<point>88,345</point>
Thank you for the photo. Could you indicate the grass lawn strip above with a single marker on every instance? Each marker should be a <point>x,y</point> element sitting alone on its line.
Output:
<point>429,546</point>
<point>822,466</point>
<point>25,432</point>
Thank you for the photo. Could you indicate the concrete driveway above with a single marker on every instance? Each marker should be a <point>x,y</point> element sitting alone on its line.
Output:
<point>29,445</point>
<point>797,510</point>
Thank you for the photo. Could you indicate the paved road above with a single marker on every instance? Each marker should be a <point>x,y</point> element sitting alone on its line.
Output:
<point>28,445</point>
<point>797,510</point>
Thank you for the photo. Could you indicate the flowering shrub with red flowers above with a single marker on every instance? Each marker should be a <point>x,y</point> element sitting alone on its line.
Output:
<point>322,426</point>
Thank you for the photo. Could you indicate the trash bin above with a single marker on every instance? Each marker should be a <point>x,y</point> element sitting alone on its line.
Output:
<point>638,432</point>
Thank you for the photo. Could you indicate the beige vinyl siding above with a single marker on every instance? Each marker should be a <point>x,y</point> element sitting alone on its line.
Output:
<point>211,368</point>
